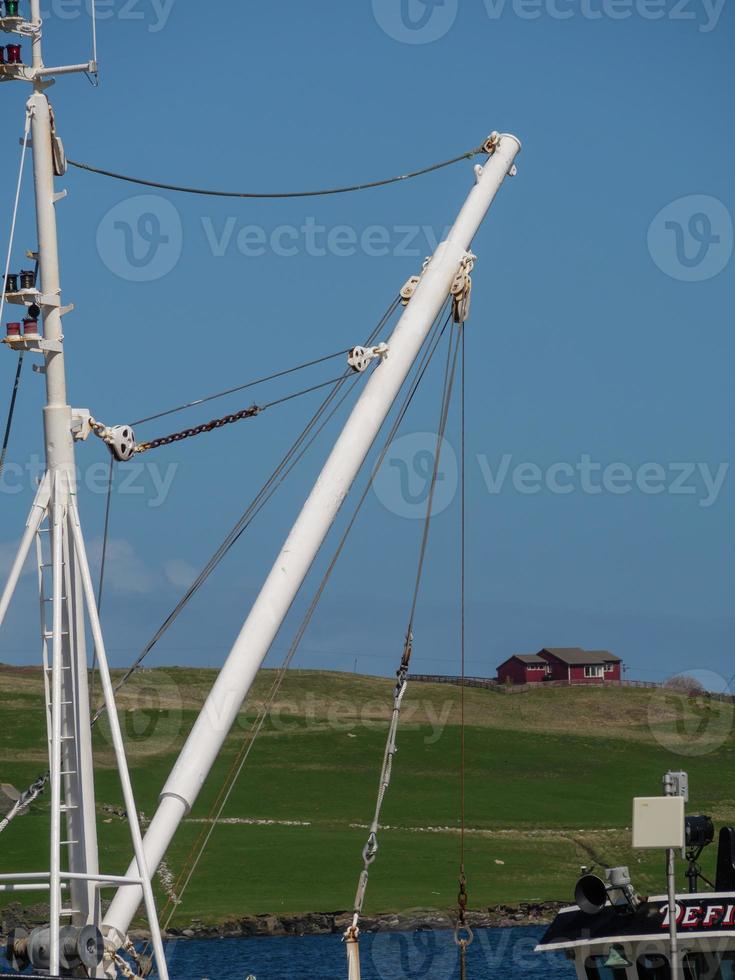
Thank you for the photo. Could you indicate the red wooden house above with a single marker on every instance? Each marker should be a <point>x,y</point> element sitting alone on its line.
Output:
<point>571,664</point>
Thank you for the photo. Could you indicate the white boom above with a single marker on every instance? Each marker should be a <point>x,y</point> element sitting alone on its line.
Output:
<point>309,531</point>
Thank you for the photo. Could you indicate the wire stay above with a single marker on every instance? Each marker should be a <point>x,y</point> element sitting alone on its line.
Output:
<point>308,436</point>
<point>199,846</point>
<point>278,195</point>
<point>242,387</point>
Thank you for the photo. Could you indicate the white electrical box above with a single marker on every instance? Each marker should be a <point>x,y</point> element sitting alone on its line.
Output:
<point>659,822</point>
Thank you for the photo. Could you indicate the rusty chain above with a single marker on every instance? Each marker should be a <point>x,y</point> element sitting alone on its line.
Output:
<point>198,430</point>
<point>462,899</point>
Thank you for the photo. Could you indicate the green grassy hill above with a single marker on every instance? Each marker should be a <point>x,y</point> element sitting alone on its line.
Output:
<point>550,778</point>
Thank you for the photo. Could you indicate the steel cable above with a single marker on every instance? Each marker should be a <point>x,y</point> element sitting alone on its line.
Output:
<point>279,195</point>
<point>217,809</point>
<point>302,444</point>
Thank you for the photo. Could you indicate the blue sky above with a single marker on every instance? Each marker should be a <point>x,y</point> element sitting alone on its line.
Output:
<point>600,345</point>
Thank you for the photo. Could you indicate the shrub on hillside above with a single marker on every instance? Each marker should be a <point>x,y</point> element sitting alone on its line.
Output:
<point>684,684</point>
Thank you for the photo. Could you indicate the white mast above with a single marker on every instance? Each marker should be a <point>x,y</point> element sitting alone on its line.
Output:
<point>65,585</point>
<point>308,533</point>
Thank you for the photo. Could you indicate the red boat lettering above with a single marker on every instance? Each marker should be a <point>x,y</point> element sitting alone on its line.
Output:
<point>713,916</point>
<point>692,917</point>
<point>665,913</point>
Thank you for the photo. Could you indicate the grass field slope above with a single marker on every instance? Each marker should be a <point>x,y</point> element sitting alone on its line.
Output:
<point>550,779</point>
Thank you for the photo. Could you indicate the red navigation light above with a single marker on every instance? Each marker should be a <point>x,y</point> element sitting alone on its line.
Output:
<point>30,328</point>
<point>14,55</point>
<point>13,330</point>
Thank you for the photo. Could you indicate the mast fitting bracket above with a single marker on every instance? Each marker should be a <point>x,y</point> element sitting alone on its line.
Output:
<point>461,289</point>
<point>409,289</point>
<point>359,358</point>
<point>81,428</point>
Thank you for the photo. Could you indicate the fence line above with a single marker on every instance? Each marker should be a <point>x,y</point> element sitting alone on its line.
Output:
<point>490,684</point>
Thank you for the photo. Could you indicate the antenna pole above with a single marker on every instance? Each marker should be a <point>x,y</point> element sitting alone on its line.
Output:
<point>311,528</point>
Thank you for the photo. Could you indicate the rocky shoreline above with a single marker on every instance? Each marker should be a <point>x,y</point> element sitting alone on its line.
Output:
<point>319,923</point>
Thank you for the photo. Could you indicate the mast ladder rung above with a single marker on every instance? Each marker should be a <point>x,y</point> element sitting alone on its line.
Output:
<point>65,807</point>
<point>63,704</point>
<point>51,598</point>
<point>67,843</point>
<point>50,635</point>
<point>66,912</point>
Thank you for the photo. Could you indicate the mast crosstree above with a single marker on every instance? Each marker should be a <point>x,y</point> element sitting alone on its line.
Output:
<point>66,592</point>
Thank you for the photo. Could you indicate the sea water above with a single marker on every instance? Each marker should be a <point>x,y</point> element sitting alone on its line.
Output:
<point>505,954</point>
<point>496,954</point>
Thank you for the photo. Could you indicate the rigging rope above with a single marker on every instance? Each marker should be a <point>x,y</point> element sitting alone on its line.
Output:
<point>11,412</point>
<point>280,195</point>
<point>217,809</point>
<point>463,933</point>
<point>243,387</point>
<point>25,800</point>
<point>8,259</point>
<point>300,447</point>
<point>131,448</point>
<point>370,851</point>
<point>19,185</point>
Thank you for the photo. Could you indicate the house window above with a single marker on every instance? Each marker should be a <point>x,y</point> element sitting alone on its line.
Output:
<point>593,671</point>
<point>609,668</point>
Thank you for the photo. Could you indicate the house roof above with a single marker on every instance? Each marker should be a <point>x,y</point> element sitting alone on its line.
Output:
<point>530,659</point>
<point>576,656</point>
